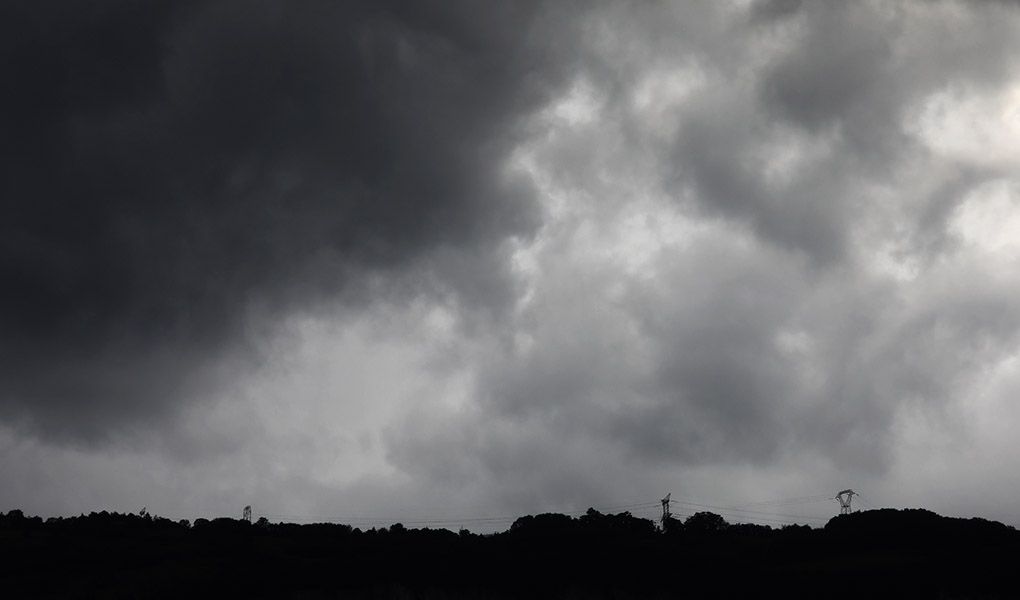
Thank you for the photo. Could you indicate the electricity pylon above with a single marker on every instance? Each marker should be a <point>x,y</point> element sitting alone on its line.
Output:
<point>844,504</point>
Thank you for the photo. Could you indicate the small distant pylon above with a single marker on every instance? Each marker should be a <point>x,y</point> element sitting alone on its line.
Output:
<point>844,503</point>
<point>665,510</point>
<point>246,515</point>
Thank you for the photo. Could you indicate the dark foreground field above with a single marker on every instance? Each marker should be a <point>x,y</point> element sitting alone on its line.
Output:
<point>884,553</point>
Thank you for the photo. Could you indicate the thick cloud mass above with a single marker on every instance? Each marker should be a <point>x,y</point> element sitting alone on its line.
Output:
<point>170,166</point>
<point>754,251</point>
<point>467,258</point>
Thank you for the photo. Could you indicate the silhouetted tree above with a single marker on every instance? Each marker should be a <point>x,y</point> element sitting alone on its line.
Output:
<point>907,552</point>
<point>672,525</point>
<point>705,522</point>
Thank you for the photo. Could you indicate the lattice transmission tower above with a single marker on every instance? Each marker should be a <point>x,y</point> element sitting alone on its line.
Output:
<point>844,503</point>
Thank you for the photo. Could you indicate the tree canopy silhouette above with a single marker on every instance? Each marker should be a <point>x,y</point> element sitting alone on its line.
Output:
<point>905,553</point>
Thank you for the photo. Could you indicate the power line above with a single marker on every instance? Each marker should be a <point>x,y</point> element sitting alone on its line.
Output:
<point>866,502</point>
<point>729,511</point>
<point>482,520</point>
<point>746,512</point>
<point>801,500</point>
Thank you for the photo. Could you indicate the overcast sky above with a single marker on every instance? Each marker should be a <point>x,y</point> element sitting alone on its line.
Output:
<point>444,261</point>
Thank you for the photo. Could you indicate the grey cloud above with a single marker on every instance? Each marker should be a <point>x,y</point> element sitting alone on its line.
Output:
<point>835,70</point>
<point>681,370</point>
<point>781,337</point>
<point>720,378</point>
<point>766,10</point>
<point>736,359</point>
<point>711,157</point>
<point>171,167</point>
<point>845,77</point>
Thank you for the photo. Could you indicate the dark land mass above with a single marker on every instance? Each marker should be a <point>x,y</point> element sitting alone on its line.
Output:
<point>881,553</point>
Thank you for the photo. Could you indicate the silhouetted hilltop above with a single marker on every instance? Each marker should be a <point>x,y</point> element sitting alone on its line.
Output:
<point>884,553</point>
<point>914,525</point>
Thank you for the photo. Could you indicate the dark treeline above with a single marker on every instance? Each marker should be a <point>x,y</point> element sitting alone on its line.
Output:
<point>884,553</point>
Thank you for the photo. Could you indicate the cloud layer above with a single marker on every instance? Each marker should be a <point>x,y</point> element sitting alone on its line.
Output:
<point>753,250</point>
<point>526,258</point>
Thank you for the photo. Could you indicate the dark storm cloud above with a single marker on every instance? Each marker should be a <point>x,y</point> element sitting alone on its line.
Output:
<point>171,166</point>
